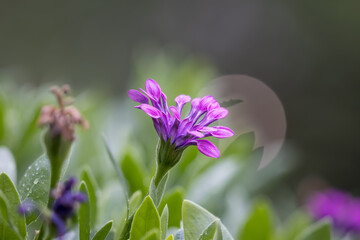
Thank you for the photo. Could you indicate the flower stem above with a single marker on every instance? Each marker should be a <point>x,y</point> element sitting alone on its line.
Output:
<point>161,170</point>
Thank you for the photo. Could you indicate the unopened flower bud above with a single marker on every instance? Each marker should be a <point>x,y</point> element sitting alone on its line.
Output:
<point>60,134</point>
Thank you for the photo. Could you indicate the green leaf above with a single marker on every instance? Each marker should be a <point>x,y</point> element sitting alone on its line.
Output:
<point>119,174</point>
<point>4,208</point>
<point>133,174</point>
<point>7,163</point>
<point>35,185</point>
<point>164,222</point>
<point>320,230</point>
<point>196,219</point>
<point>91,185</point>
<point>174,202</point>
<point>171,237</point>
<point>125,228</point>
<point>135,201</point>
<point>152,235</point>
<point>103,232</point>
<point>13,200</point>
<point>146,219</point>
<point>297,222</point>
<point>241,147</point>
<point>157,193</point>
<point>84,214</point>
<point>230,103</point>
<point>210,231</point>
<point>259,224</point>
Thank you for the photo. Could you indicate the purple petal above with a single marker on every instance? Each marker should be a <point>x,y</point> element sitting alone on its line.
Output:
<point>197,134</point>
<point>150,110</point>
<point>153,89</point>
<point>59,224</point>
<point>218,113</point>
<point>79,197</point>
<point>181,100</point>
<point>175,112</point>
<point>205,102</point>
<point>222,132</point>
<point>208,148</point>
<point>137,96</point>
<point>212,106</point>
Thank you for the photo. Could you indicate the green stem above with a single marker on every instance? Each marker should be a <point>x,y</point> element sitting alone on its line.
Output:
<point>161,170</point>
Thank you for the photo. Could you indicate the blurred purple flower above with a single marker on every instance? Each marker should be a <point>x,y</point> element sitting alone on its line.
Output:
<point>340,207</point>
<point>65,202</point>
<point>63,207</point>
<point>179,131</point>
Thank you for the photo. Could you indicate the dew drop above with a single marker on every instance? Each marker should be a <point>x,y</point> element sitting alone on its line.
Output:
<point>36,180</point>
<point>37,169</point>
<point>27,189</point>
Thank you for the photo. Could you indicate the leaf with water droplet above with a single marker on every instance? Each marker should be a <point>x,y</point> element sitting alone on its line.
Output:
<point>35,185</point>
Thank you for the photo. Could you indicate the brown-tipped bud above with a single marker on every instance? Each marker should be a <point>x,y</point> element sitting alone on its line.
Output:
<point>61,122</point>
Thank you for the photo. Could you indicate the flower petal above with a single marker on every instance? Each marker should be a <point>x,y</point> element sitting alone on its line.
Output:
<point>218,113</point>
<point>196,134</point>
<point>153,89</point>
<point>212,106</point>
<point>208,148</point>
<point>150,110</point>
<point>222,132</point>
<point>137,96</point>
<point>206,101</point>
<point>181,100</point>
<point>175,112</point>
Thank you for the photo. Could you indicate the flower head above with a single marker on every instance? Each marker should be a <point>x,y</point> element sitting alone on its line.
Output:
<point>61,120</point>
<point>181,132</point>
<point>340,207</point>
<point>65,202</point>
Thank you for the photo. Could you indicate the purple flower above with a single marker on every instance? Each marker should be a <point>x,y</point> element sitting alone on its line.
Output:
<point>26,207</point>
<point>340,207</point>
<point>65,202</point>
<point>176,130</point>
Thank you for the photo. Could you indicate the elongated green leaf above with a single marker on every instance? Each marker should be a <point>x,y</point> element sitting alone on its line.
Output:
<point>4,208</point>
<point>259,224</point>
<point>196,219</point>
<point>125,228</point>
<point>164,222</point>
<point>119,174</point>
<point>320,230</point>
<point>174,202</point>
<point>133,174</point>
<point>152,235</point>
<point>35,185</point>
<point>210,231</point>
<point>84,214</point>
<point>91,185</point>
<point>13,199</point>
<point>103,232</point>
<point>157,193</point>
<point>135,201</point>
<point>7,163</point>
<point>171,237</point>
<point>295,224</point>
<point>146,219</point>
<point>230,103</point>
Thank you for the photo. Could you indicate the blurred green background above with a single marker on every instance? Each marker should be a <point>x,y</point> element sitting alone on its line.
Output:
<point>308,52</point>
